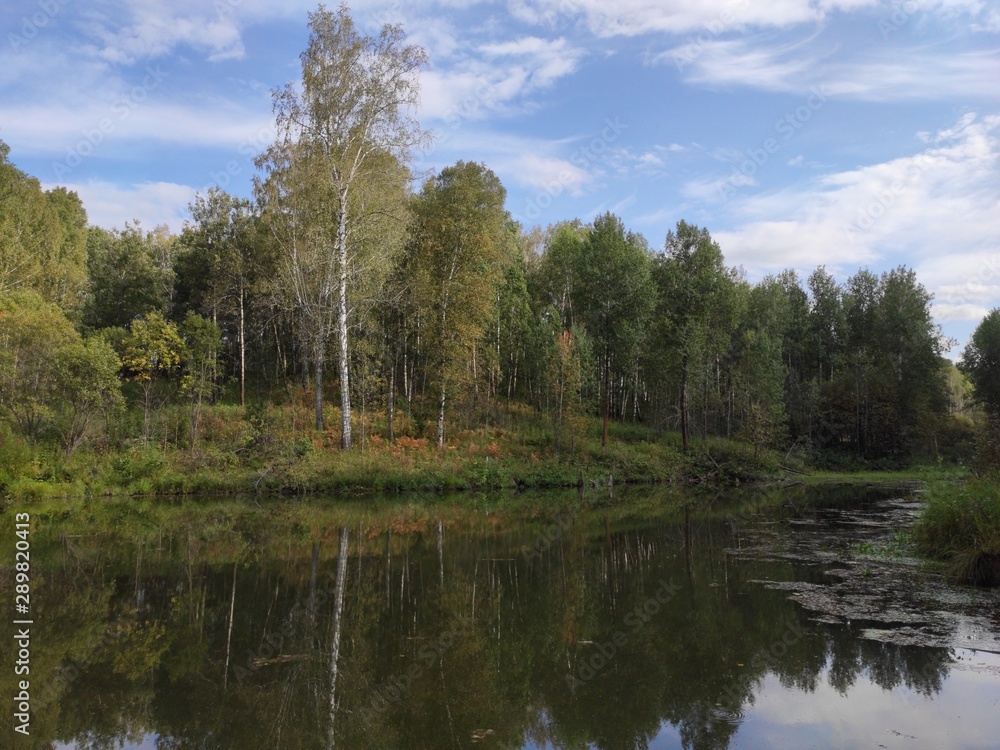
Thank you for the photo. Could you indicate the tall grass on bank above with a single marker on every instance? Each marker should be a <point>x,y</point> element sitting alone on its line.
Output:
<point>273,449</point>
<point>960,526</point>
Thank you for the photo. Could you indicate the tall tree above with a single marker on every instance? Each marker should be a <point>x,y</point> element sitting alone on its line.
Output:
<point>981,361</point>
<point>49,375</point>
<point>127,280</point>
<point>697,309</point>
<point>218,265</point>
<point>348,120</point>
<point>461,242</point>
<point>152,351</point>
<point>31,332</point>
<point>614,298</point>
<point>42,238</point>
<point>202,339</point>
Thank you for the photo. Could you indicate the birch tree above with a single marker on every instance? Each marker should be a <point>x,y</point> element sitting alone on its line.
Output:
<point>350,118</point>
<point>219,264</point>
<point>697,308</point>
<point>461,243</point>
<point>614,298</point>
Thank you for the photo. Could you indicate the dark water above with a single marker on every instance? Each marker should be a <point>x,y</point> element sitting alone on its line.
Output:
<point>752,621</point>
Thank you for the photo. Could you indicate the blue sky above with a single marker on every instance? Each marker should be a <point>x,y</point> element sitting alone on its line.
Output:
<point>847,133</point>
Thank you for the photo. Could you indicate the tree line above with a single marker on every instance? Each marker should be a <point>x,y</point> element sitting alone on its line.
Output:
<point>431,309</point>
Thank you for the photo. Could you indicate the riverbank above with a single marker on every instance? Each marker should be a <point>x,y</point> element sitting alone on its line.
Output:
<point>272,451</point>
<point>960,527</point>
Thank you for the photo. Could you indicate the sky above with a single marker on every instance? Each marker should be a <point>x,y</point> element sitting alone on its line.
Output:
<point>843,133</point>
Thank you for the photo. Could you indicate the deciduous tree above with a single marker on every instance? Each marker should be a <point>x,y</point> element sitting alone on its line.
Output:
<point>349,123</point>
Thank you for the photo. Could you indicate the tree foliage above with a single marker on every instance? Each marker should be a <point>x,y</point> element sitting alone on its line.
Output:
<point>336,171</point>
<point>460,244</point>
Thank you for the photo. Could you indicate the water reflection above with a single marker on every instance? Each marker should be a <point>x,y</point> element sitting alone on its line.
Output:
<point>587,626</point>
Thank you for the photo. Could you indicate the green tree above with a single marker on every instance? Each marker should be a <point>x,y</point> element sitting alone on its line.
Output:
<point>348,124</point>
<point>152,351</point>
<point>32,331</point>
<point>461,243</point>
<point>202,340</point>
<point>127,280</point>
<point>88,388</point>
<point>51,378</point>
<point>558,268</point>
<point>219,264</point>
<point>696,314</point>
<point>614,296</point>
<point>981,361</point>
<point>761,368</point>
<point>42,238</point>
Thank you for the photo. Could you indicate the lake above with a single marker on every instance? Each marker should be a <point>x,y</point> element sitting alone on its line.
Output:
<point>638,618</point>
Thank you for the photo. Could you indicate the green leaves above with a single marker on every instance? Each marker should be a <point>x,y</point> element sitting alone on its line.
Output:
<point>127,279</point>
<point>50,377</point>
<point>42,238</point>
<point>460,247</point>
<point>981,361</point>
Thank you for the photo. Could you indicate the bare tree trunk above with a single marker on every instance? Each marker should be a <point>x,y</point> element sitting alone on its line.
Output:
<point>243,346</point>
<point>338,610</point>
<point>440,423</point>
<point>344,361</point>
<point>684,415</point>
<point>607,377</point>
<point>229,630</point>
<point>390,405</point>
<point>319,391</point>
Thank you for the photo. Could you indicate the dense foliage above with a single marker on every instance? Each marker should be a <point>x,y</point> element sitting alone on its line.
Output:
<point>433,308</point>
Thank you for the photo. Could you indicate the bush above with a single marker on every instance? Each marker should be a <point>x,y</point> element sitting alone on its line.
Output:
<point>139,463</point>
<point>960,526</point>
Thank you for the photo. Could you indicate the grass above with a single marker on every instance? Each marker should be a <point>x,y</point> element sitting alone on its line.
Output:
<point>960,526</point>
<point>269,449</point>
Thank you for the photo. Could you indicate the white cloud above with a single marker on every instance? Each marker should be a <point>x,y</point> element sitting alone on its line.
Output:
<point>496,77</point>
<point>714,17</point>
<point>145,29</point>
<point>946,312</point>
<point>913,210</point>
<point>69,134</point>
<point>651,162</point>
<point>549,174</point>
<point>150,203</point>
<point>634,17</point>
<point>716,189</point>
<point>877,74</point>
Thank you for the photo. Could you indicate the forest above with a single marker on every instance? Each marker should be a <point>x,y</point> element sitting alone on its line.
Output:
<point>365,305</point>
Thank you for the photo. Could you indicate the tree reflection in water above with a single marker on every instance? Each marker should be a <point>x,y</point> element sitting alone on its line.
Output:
<point>430,632</point>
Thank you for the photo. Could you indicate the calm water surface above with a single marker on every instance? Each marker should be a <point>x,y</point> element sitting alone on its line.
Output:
<point>753,621</point>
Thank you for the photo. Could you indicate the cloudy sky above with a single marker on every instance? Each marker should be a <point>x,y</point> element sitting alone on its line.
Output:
<point>847,133</point>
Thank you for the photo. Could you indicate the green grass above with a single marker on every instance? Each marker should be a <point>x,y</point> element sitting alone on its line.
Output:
<point>274,449</point>
<point>960,526</point>
<point>915,476</point>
